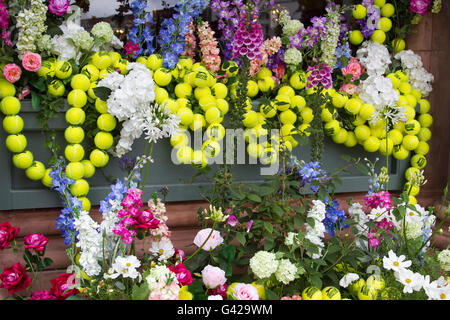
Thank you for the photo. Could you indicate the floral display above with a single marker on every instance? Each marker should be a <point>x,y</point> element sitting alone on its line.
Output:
<point>343,75</point>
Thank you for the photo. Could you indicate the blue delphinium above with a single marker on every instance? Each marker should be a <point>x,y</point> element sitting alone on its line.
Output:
<point>343,54</point>
<point>141,33</point>
<point>313,174</point>
<point>334,218</point>
<point>117,192</point>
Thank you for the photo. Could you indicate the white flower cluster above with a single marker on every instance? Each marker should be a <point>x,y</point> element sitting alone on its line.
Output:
<point>284,17</point>
<point>293,56</point>
<point>419,78</point>
<point>417,223</point>
<point>414,281</point>
<point>374,57</point>
<point>315,234</point>
<point>378,91</point>
<point>162,283</point>
<point>163,249</point>
<point>329,43</point>
<point>31,25</point>
<point>62,46</point>
<point>126,267</point>
<point>286,271</point>
<point>291,27</point>
<point>359,216</point>
<point>263,264</point>
<point>444,259</point>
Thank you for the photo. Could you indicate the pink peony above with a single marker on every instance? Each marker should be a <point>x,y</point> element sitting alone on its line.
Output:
<point>353,68</point>
<point>213,277</point>
<point>31,61</point>
<point>59,7</point>
<point>12,72</point>
<point>214,240</point>
<point>244,291</point>
<point>419,6</point>
<point>35,241</point>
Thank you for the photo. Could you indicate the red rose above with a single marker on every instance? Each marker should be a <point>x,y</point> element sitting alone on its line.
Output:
<point>42,295</point>
<point>7,234</point>
<point>62,287</point>
<point>14,278</point>
<point>35,241</point>
<point>182,273</point>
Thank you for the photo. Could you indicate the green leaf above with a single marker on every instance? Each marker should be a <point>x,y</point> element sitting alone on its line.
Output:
<point>140,292</point>
<point>75,298</point>
<point>102,92</point>
<point>229,252</point>
<point>278,210</point>
<point>254,197</point>
<point>268,226</point>
<point>270,295</point>
<point>241,237</point>
<point>35,100</point>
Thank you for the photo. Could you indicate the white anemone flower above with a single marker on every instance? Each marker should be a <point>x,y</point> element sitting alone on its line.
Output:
<point>392,262</point>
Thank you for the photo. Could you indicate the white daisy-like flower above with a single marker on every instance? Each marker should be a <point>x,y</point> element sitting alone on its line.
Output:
<point>348,279</point>
<point>125,267</point>
<point>436,290</point>
<point>163,249</point>
<point>378,213</point>
<point>392,262</point>
<point>411,281</point>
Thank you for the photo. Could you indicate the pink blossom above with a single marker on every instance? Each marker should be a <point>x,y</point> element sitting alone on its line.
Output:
<point>419,6</point>
<point>31,61</point>
<point>59,7</point>
<point>190,43</point>
<point>214,240</point>
<point>24,93</point>
<point>348,88</point>
<point>244,291</point>
<point>213,277</point>
<point>4,16</point>
<point>6,37</point>
<point>183,275</point>
<point>208,47</point>
<point>353,68</point>
<point>42,295</point>
<point>35,241</point>
<point>12,72</point>
<point>294,297</point>
<point>232,220</point>
<point>380,199</point>
<point>249,226</point>
<point>374,242</point>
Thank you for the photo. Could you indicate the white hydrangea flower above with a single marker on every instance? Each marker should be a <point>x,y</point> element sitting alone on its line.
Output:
<point>419,78</point>
<point>263,264</point>
<point>286,271</point>
<point>291,27</point>
<point>160,276</point>
<point>31,25</point>
<point>103,30</point>
<point>444,259</point>
<point>374,57</point>
<point>293,56</point>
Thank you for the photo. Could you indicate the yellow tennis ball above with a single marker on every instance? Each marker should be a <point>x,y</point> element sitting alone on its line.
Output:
<point>79,188</point>
<point>264,72</point>
<point>77,98</point>
<point>74,134</point>
<point>215,131</point>
<point>351,140</point>
<point>359,12</point>
<point>185,63</point>
<point>161,95</point>
<point>16,143</point>
<point>312,293</point>
<point>223,106</point>
<point>211,148</point>
<point>142,60</point>
<point>410,142</point>
<point>410,113</point>
<point>332,127</point>
<point>288,116</point>
<point>213,115</point>
<point>219,91</point>
<point>353,106</point>
<point>398,45</point>
<point>340,137</point>
<point>75,170</point>
<point>384,24</point>
<point>387,10</point>
<point>198,122</point>
<point>268,111</point>
<point>199,93</point>
<point>367,293</point>
<point>186,116</point>
<point>23,160</point>
<point>88,169</point>
<point>46,179</point>
<point>425,120</point>
<point>286,90</point>
<point>106,122</point>
<point>307,115</point>
<point>412,190</point>
<point>101,106</point>
<point>154,62</point>
<point>115,57</point>
<point>199,160</point>
<point>378,132</point>
<point>252,89</point>
<point>266,84</point>
<point>424,106</point>
<point>63,69</point>
<point>412,101</point>
<point>418,161</point>
<point>254,150</point>
<point>182,103</point>
<point>356,37</point>
<point>298,102</point>
<point>283,102</point>
<point>386,146</point>
<point>424,134</point>
<point>207,101</point>
<point>366,111</point>
<point>179,139</point>
<point>75,116</point>
<point>99,158</point>
<point>400,152</point>
<point>80,81</point>
<point>103,140</point>
<point>56,88</point>
<point>74,152</point>
<point>362,132</point>
<point>405,88</point>
<point>422,148</point>
<point>298,80</point>
<point>200,78</point>
<point>13,124</point>
<point>185,155</point>
<point>410,172</point>
<point>121,65</point>
<point>101,59</point>
<point>268,156</point>
<point>91,72</point>
<point>326,115</point>
<point>47,69</point>
<point>400,126</point>
<point>162,77</point>
<point>183,90</point>
<point>372,144</point>
<point>379,3</point>
<point>378,36</point>
<point>338,100</point>
<point>10,105</point>
<point>85,203</point>
<point>250,119</point>
<point>412,127</point>
<point>331,293</point>
<point>36,171</point>
<point>396,136</point>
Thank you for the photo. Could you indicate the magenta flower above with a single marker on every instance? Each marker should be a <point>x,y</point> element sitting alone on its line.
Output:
<point>250,224</point>
<point>419,6</point>
<point>232,220</point>
<point>59,7</point>
<point>42,295</point>
<point>4,16</point>
<point>380,199</point>
<point>35,241</point>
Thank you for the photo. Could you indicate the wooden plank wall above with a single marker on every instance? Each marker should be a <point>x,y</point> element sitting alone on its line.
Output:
<point>431,42</point>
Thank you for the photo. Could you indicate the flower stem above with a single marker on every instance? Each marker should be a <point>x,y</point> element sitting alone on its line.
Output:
<point>201,247</point>
<point>148,165</point>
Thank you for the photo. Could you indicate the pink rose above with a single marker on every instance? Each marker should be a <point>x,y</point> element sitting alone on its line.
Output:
<point>348,88</point>
<point>214,240</point>
<point>31,61</point>
<point>42,295</point>
<point>7,234</point>
<point>15,278</point>
<point>59,7</point>
<point>419,6</point>
<point>213,277</point>
<point>12,72</point>
<point>353,68</point>
<point>35,241</point>
<point>244,291</point>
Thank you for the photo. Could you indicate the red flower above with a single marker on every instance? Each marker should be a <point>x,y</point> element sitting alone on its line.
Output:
<point>131,47</point>
<point>145,220</point>
<point>220,290</point>
<point>15,278</point>
<point>183,274</point>
<point>35,241</point>
<point>63,286</point>
<point>7,234</point>
<point>42,295</point>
